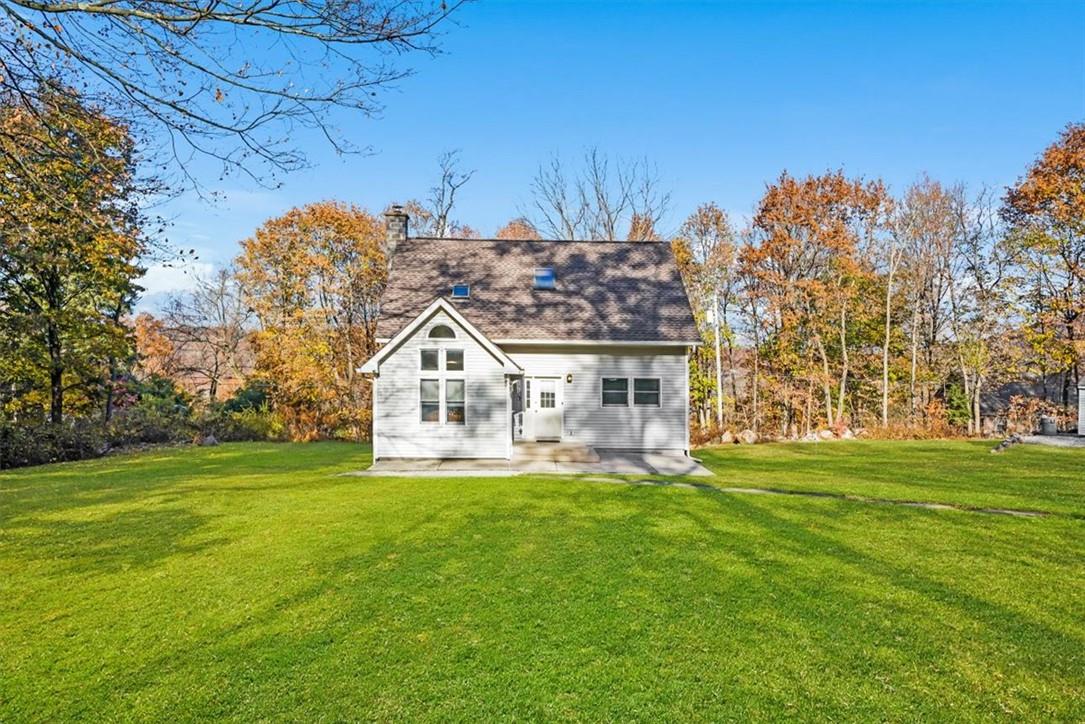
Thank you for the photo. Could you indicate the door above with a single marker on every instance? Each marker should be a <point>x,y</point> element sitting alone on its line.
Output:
<point>545,409</point>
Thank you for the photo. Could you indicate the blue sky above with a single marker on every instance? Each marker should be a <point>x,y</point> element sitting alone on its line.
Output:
<point>721,96</point>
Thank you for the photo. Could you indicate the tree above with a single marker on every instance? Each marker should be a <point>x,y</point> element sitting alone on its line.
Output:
<point>711,240</point>
<point>808,260</point>
<point>1046,214</point>
<point>518,229</point>
<point>313,278</point>
<point>982,288</point>
<point>602,199</point>
<point>433,217</point>
<point>185,71</point>
<point>70,236</point>
<point>208,328</point>
<point>927,225</point>
<point>443,194</point>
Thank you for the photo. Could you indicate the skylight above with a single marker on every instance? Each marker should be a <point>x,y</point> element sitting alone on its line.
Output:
<point>544,277</point>
<point>461,291</point>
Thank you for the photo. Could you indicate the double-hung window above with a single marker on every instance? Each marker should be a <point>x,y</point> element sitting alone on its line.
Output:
<point>646,392</point>
<point>615,392</point>
<point>442,391</point>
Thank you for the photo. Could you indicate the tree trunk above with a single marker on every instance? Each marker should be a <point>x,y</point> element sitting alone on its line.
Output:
<point>844,366</point>
<point>826,388</point>
<point>56,374</point>
<point>885,347</point>
<point>719,361</point>
<point>912,374</point>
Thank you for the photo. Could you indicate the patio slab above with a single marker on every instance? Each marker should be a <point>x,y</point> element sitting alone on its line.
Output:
<point>619,462</point>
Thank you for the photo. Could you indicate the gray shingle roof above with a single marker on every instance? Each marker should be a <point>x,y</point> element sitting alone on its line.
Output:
<point>606,291</point>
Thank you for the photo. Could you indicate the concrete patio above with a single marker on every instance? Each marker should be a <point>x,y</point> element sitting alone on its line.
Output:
<point>544,458</point>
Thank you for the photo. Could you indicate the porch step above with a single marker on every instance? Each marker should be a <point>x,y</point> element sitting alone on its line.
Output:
<point>553,452</point>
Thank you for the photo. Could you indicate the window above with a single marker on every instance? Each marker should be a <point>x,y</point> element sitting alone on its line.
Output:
<point>544,277</point>
<point>430,359</point>
<point>429,394</point>
<point>615,392</point>
<point>461,291</point>
<point>454,412</point>
<point>547,399</point>
<point>527,394</point>
<point>442,331</point>
<point>646,391</point>
<point>454,360</point>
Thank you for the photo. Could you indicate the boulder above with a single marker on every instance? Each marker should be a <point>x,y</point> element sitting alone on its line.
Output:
<point>747,437</point>
<point>847,434</point>
<point>207,441</point>
<point>727,438</point>
<point>826,434</point>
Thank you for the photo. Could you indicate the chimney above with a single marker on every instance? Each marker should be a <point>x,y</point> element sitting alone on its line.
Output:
<point>395,229</point>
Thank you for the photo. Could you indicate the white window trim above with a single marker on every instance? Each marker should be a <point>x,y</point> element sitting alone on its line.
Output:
<point>449,327</point>
<point>440,397</point>
<point>628,392</point>
<point>633,391</point>
<point>440,360</point>
<point>444,401</point>
<point>442,375</point>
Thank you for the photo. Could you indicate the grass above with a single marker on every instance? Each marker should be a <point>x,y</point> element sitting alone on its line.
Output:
<point>251,582</point>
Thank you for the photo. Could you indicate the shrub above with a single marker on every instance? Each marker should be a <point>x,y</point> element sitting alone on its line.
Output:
<point>22,445</point>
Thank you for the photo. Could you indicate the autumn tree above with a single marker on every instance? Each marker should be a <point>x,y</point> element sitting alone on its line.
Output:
<point>1046,213</point>
<point>71,234</point>
<point>313,278</point>
<point>809,258</point>
<point>982,286</point>
<point>708,234</point>
<point>927,225</point>
<point>518,229</point>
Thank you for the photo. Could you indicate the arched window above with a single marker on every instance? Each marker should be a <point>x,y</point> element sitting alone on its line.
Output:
<point>442,331</point>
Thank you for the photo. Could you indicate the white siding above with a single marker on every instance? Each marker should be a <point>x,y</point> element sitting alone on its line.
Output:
<point>399,431</point>
<point>1081,410</point>
<point>586,420</point>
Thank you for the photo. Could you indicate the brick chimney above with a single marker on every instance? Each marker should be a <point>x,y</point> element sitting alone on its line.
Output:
<point>395,229</point>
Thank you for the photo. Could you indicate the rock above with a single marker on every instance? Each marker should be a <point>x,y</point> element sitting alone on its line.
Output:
<point>747,437</point>
<point>810,437</point>
<point>847,434</point>
<point>1011,440</point>
<point>207,441</point>
<point>727,438</point>
<point>826,434</point>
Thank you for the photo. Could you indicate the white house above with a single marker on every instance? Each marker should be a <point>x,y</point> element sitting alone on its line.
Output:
<point>488,342</point>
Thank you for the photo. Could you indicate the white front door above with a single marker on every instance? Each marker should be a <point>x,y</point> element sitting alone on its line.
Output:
<point>545,407</point>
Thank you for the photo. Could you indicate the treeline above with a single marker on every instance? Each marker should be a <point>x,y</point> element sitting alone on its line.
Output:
<point>839,305</point>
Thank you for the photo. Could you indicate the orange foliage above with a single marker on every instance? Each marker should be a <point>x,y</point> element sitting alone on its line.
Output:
<point>314,278</point>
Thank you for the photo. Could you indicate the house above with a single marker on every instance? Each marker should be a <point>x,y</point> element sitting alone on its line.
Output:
<point>490,342</point>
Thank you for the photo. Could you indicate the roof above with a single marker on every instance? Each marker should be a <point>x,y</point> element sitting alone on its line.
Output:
<point>605,292</point>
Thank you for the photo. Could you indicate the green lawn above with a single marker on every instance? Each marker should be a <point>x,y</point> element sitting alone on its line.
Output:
<point>249,582</point>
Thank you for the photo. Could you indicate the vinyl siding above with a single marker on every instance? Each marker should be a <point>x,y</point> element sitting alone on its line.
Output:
<point>399,431</point>
<point>1081,410</point>
<point>586,420</point>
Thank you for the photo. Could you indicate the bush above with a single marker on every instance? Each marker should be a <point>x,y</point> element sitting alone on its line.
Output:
<point>161,413</point>
<point>247,424</point>
<point>47,443</point>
